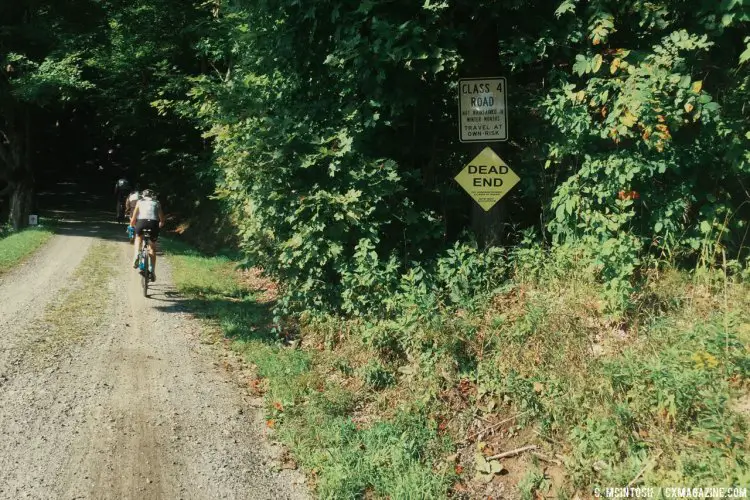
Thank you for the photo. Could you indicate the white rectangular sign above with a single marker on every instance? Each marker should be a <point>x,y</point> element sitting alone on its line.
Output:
<point>481,110</point>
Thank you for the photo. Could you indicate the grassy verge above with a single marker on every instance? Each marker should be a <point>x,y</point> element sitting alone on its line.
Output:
<point>15,247</point>
<point>85,304</point>
<point>419,405</point>
<point>312,401</point>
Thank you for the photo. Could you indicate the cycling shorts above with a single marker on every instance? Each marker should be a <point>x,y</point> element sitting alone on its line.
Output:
<point>153,225</point>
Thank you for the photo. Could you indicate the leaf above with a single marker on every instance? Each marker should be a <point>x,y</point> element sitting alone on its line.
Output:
<point>688,107</point>
<point>685,81</point>
<point>711,106</point>
<point>628,119</point>
<point>565,7</point>
<point>615,64</point>
<point>745,55</point>
<point>483,478</point>
<point>658,227</point>
<point>480,464</point>
<point>495,467</point>
<point>696,87</point>
<point>581,66</point>
<point>597,63</point>
<point>560,212</point>
<point>705,227</point>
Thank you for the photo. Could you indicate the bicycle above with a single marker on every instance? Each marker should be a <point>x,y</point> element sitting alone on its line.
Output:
<point>144,261</point>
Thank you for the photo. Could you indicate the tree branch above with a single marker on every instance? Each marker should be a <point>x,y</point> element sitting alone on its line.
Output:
<point>512,452</point>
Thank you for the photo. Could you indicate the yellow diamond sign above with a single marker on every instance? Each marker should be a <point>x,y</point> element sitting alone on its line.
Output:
<point>487,178</point>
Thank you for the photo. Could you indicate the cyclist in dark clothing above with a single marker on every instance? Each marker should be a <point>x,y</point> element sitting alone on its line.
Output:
<point>122,190</point>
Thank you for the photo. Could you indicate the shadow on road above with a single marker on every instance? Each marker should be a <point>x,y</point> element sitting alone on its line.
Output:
<point>243,320</point>
<point>92,224</point>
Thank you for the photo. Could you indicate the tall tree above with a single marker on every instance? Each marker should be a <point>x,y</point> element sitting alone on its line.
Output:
<point>41,43</point>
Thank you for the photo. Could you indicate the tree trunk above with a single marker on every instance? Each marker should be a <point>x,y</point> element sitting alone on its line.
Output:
<point>20,204</point>
<point>21,176</point>
<point>489,227</point>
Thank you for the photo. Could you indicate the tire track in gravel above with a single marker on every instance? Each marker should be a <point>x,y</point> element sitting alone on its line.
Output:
<point>136,408</point>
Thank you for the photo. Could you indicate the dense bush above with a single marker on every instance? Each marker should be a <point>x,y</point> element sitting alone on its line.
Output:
<point>334,135</point>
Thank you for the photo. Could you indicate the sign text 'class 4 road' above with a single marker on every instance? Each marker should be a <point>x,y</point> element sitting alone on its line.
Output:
<point>481,109</point>
<point>487,178</point>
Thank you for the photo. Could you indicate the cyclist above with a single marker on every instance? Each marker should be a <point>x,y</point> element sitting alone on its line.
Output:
<point>122,188</point>
<point>147,214</point>
<point>131,201</point>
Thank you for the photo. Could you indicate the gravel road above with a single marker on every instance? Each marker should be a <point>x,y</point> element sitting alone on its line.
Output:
<point>135,405</point>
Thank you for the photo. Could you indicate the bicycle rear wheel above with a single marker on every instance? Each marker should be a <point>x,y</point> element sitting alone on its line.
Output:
<point>146,271</point>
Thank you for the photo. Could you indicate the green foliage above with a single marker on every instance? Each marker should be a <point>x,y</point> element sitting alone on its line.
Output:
<point>376,375</point>
<point>637,127</point>
<point>532,484</point>
<point>50,80</point>
<point>322,151</point>
<point>664,397</point>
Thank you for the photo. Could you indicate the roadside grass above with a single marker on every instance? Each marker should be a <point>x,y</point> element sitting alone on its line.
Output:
<point>311,402</point>
<point>84,305</point>
<point>17,246</point>
<point>415,406</point>
<point>655,402</point>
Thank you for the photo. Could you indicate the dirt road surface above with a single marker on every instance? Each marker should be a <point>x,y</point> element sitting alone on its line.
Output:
<point>106,394</point>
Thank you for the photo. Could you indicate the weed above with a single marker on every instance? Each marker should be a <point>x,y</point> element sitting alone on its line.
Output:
<point>533,484</point>
<point>377,376</point>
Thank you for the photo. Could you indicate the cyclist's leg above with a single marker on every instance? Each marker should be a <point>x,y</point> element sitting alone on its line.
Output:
<point>136,249</point>
<point>138,239</point>
<point>154,239</point>
<point>152,255</point>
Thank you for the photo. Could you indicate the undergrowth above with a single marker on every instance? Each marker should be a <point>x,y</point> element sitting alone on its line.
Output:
<point>313,399</point>
<point>396,406</point>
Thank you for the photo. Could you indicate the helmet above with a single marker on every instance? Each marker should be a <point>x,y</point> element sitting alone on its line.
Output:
<point>147,193</point>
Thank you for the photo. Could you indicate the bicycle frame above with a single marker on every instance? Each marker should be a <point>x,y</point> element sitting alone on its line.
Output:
<point>145,260</point>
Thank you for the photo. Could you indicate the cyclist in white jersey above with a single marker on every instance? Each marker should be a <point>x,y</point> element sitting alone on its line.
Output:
<point>147,215</point>
<point>131,201</point>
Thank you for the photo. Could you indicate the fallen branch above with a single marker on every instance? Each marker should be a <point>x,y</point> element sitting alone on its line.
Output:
<point>493,427</point>
<point>548,439</point>
<point>511,453</point>
<point>545,458</point>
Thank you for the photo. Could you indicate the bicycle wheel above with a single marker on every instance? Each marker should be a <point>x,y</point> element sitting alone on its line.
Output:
<point>145,271</point>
